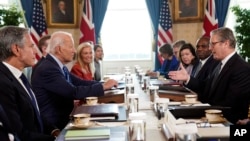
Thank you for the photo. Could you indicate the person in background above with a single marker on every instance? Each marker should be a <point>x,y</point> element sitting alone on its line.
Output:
<point>84,65</point>
<point>176,47</point>
<point>170,62</point>
<point>228,85</point>
<point>56,88</point>
<point>43,45</point>
<point>188,58</point>
<point>97,61</point>
<point>17,51</point>
<point>206,61</point>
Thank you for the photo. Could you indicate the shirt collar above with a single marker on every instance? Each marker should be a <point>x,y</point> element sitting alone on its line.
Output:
<point>16,72</point>
<point>224,61</point>
<point>58,61</point>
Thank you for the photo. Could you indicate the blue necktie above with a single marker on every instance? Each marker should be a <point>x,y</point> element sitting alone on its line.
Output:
<point>66,73</point>
<point>33,100</point>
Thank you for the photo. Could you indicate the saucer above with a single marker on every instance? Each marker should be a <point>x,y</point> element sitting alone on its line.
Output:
<point>219,120</point>
<point>83,126</point>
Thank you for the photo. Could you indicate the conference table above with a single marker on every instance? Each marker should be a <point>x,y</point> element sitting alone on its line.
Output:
<point>163,129</point>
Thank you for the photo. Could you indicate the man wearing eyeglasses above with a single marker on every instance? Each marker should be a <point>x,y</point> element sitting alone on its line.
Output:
<point>229,84</point>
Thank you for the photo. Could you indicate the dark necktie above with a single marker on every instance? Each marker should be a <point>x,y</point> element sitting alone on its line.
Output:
<point>216,74</point>
<point>66,73</point>
<point>198,68</point>
<point>33,100</point>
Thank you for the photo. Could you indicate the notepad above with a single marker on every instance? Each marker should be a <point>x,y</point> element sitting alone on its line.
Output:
<point>87,134</point>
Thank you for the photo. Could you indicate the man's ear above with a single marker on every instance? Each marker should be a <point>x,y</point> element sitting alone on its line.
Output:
<point>15,49</point>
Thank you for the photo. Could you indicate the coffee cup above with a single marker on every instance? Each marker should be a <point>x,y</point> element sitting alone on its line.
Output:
<point>81,119</point>
<point>191,98</point>
<point>91,100</point>
<point>213,115</point>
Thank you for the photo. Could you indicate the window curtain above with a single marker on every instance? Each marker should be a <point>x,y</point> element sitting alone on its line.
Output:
<point>99,8</point>
<point>28,7</point>
<point>221,10</point>
<point>154,13</point>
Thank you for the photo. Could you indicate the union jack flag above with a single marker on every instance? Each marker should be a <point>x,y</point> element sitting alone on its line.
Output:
<point>164,28</point>
<point>210,21</point>
<point>87,29</point>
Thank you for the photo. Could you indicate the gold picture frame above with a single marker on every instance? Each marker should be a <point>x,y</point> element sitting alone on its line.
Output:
<point>66,19</point>
<point>188,10</point>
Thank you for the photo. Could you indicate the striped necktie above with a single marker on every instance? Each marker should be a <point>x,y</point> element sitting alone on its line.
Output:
<point>216,74</point>
<point>66,73</point>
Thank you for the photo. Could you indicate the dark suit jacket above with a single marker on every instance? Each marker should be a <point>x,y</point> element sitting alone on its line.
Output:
<point>18,107</point>
<point>208,67</point>
<point>232,88</point>
<point>55,94</point>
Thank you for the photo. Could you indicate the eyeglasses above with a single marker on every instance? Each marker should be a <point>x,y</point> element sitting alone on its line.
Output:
<point>214,43</point>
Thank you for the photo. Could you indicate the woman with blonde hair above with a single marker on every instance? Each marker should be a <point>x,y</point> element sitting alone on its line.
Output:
<point>84,66</point>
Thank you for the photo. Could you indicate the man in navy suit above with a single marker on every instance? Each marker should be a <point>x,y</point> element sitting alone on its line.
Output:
<point>56,88</point>
<point>231,86</point>
<point>208,63</point>
<point>17,52</point>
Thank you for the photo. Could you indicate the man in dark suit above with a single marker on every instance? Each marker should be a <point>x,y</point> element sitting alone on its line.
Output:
<point>17,52</point>
<point>56,88</point>
<point>229,86</point>
<point>208,63</point>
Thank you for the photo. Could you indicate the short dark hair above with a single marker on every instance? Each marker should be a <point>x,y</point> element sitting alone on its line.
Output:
<point>166,49</point>
<point>97,46</point>
<point>41,42</point>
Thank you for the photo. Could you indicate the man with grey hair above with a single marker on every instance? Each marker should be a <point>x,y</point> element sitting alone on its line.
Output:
<point>16,96</point>
<point>56,88</point>
<point>176,47</point>
<point>228,85</point>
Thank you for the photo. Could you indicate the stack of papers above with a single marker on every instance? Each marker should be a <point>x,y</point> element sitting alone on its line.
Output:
<point>74,135</point>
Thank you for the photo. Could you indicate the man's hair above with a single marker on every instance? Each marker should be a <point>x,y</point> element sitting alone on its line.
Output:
<point>224,34</point>
<point>57,38</point>
<point>10,35</point>
<point>166,49</point>
<point>42,41</point>
<point>179,43</point>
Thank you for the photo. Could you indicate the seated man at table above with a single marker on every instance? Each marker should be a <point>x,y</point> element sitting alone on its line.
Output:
<point>56,88</point>
<point>228,85</point>
<point>170,62</point>
<point>206,61</point>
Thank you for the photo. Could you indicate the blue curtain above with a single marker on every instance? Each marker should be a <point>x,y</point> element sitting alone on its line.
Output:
<point>99,8</point>
<point>154,13</point>
<point>27,6</point>
<point>221,10</point>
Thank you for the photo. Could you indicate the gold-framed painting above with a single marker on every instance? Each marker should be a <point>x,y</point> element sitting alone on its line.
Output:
<point>188,11</point>
<point>62,13</point>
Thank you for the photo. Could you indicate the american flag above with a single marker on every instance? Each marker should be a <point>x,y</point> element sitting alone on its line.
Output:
<point>164,28</point>
<point>210,21</point>
<point>39,26</point>
<point>87,29</point>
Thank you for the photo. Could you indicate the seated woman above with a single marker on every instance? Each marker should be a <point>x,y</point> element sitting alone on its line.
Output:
<point>97,61</point>
<point>189,58</point>
<point>170,62</point>
<point>84,66</point>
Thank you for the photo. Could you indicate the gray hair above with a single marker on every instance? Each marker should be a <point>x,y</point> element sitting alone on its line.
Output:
<point>10,35</point>
<point>58,40</point>
<point>224,34</point>
<point>179,43</point>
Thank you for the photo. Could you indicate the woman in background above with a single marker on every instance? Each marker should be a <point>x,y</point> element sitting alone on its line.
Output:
<point>84,66</point>
<point>189,58</point>
<point>97,61</point>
